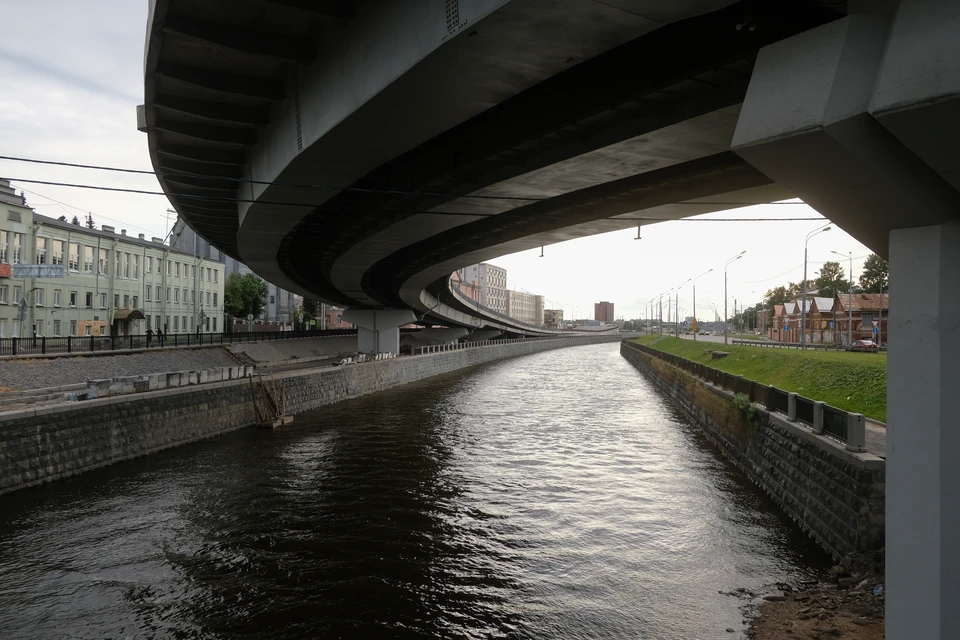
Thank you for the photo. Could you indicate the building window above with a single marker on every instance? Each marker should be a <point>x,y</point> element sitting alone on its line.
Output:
<point>214,324</point>
<point>193,297</point>
<point>88,259</point>
<point>17,249</point>
<point>3,294</point>
<point>74,256</point>
<point>208,298</point>
<point>56,327</point>
<point>136,266</point>
<point>147,293</point>
<point>126,302</point>
<point>184,318</point>
<point>16,295</point>
<point>184,298</point>
<point>41,257</point>
<point>135,301</point>
<point>209,278</point>
<point>73,300</point>
<point>87,330</point>
<point>73,327</point>
<point>38,297</point>
<point>178,269</point>
<point>166,325</point>
<point>168,298</point>
<point>103,262</point>
<point>176,296</point>
<point>148,318</point>
<point>116,301</point>
<point>193,272</point>
<point>271,299</point>
<point>148,268</point>
<point>158,300</point>
<point>4,241</point>
<point>176,324</point>
<point>866,319</point>
<point>168,268</point>
<point>117,270</point>
<point>126,265</point>
<point>214,298</point>
<point>57,295</point>
<point>103,301</point>
<point>89,300</point>
<point>215,272</point>
<point>57,257</point>
<point>192,327</point>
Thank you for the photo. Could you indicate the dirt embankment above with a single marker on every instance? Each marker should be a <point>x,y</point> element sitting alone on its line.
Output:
<point>849,604</point>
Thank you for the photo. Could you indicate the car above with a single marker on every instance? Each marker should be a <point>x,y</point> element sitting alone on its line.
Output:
<point>863,345</point>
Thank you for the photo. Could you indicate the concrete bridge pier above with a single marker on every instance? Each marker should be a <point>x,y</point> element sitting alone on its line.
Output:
<point>378,330</point>
<point>858,117</point>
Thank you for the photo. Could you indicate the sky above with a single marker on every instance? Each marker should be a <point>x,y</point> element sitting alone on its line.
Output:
<point>73,77</point>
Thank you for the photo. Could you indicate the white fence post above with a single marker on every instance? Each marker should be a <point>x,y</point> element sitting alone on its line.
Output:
<point>817,417</point>
<point>856,432</point>
<point>792,407</point>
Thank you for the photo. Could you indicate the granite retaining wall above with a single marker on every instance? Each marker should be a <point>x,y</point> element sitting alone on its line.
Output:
<point>56,441</point>
<point>835,495</point>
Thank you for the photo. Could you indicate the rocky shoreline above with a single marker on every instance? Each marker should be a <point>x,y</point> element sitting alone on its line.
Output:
<point>847,603</point>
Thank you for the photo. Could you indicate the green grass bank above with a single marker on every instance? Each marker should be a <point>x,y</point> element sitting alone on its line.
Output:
<point>850,381</point>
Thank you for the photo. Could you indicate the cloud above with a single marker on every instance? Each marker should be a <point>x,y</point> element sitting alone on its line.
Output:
<point>66,77</point>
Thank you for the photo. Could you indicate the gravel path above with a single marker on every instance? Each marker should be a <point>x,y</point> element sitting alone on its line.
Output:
<point>37,374</point>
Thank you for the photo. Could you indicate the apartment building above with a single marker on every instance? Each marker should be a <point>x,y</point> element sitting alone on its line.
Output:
<point>553,318</point>
<point>281,305</point>
<point>603,312</point>
<point>97,282</point>
<point>492,283</point>
<point>525,307</point>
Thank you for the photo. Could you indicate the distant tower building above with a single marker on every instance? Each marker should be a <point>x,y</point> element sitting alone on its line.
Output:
<point>603,312</point>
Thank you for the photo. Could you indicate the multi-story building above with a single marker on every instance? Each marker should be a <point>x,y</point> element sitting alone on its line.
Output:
<point>603,312</point>
<point>492,281</point>
<point>525,307</point>
<point>98,282</point>
<point>281,304</point>
<point>553,318</point>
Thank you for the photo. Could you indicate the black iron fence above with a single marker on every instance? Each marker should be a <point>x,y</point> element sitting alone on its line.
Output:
<point>42,345</point>
<point>834,421</point>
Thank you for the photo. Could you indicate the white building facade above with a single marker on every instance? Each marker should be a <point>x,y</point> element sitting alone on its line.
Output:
<point>492,281</point>
<point>525,307</point>
<point>111,284</point>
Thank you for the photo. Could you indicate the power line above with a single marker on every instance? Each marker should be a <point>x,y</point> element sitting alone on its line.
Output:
<point>407,211</point>
<point>62,204</point>
<point>322,187</point>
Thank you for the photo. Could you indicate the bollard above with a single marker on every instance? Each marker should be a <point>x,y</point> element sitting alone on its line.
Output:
<point>817,417</point>
<point>856,432</point>
<point>792,407</point>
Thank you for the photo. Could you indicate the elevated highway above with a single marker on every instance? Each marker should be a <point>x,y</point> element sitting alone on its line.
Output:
<point>360,151</point>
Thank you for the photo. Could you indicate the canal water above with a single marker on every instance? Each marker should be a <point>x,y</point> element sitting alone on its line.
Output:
<point>555,495</point>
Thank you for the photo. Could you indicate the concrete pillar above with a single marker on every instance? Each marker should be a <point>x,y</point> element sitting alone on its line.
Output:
<point>856,432</point>
<point>817,416</point>
<point>378,330</point>
<point>792,407</point>
<point>923,434</point>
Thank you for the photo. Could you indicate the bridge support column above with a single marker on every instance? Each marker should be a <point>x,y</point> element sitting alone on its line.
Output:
<point>858,117</point>
<point>378,331</point>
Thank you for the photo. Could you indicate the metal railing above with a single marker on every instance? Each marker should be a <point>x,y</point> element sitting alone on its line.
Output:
<point>818,415</point>
<point>43,345</point>
<point>459,346</point>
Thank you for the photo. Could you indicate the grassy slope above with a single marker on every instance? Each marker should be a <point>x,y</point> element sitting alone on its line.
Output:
<point>851,381</point>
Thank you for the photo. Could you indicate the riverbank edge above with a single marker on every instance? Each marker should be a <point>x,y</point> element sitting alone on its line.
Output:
<point>835,496</point>
<point>60,441</point>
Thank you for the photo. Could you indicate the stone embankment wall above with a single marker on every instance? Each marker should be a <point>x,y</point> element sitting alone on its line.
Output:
<point>39,445</point>
<point>835,495</point>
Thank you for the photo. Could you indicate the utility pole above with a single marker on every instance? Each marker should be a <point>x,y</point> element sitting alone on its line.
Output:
<point>803,305</point>
<point>725,316</point>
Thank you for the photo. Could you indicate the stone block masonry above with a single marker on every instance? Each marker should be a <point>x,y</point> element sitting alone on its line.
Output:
<point>835,495</point>
<point>57,441</point>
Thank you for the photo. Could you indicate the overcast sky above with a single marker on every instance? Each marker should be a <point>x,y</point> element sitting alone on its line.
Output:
<point>73,76</point>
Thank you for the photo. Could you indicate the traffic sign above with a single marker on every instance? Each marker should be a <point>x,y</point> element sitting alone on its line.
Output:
<point>831,324</point>
<point>786,327</point>
<point>876,331</point>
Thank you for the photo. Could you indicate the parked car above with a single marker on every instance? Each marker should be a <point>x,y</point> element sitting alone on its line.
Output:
<point>863,345</point>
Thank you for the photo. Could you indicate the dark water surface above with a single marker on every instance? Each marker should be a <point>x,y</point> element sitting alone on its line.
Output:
<point>549,496</point>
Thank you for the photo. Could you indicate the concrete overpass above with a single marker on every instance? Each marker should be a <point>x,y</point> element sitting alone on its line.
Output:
<point>359,152</point>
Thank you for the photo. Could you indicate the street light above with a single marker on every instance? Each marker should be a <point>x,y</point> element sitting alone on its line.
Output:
<point>695,324</point>
<point>850,303</point>
<point>677,289</point>
<point>803,300</point>
<point>725,265</point>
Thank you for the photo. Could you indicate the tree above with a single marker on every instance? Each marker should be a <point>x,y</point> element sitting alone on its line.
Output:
<point>311,307</point>
<point>830,280</point>
<point>90,224</point>
<point>75,221</point>
<point>244,295</point>
<point>876,274</point>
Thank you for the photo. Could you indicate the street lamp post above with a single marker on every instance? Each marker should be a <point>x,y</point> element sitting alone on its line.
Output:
<point>725,265</point>
<point>803,300</point>
<point>677,318</point>
<point>850,302</point>
<point>696,326</point>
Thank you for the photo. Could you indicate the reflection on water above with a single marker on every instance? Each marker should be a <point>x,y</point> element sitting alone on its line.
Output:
<point>549,496</point>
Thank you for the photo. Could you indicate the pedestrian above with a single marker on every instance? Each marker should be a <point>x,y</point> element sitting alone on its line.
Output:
<point>149,336</point>
<point>160,336</point>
